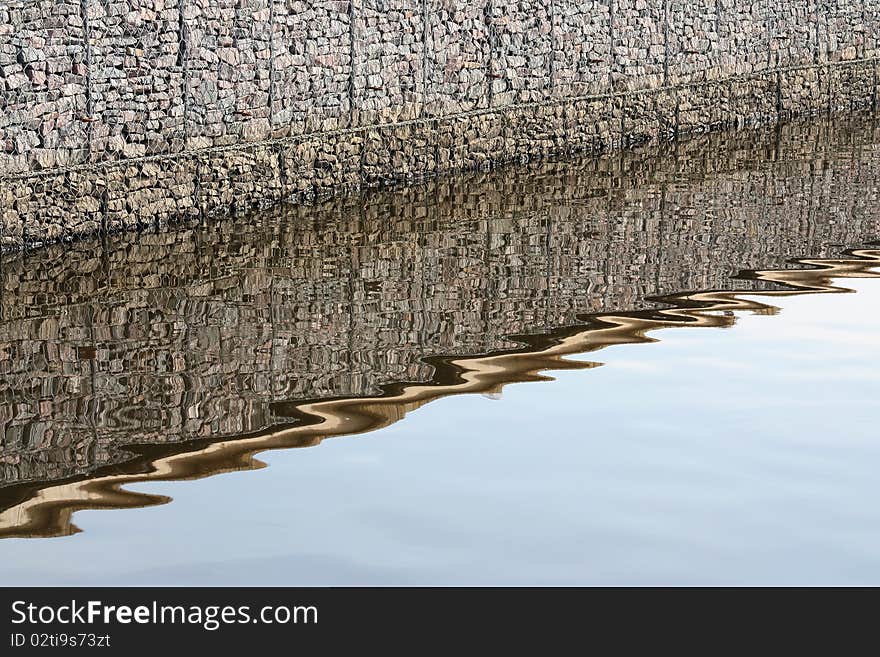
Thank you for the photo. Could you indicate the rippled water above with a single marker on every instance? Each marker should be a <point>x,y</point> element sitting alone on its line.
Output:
<point>395,321</point>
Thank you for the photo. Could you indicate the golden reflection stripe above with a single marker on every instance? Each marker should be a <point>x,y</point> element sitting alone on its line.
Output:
<point>49,509</point>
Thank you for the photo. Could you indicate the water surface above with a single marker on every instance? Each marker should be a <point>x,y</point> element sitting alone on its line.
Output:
<point>727,436</point>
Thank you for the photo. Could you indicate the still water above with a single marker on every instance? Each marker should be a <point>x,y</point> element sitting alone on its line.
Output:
<point>659,367</point>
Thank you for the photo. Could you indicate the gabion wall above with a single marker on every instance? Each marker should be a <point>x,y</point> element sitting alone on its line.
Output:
<point>117,114</point>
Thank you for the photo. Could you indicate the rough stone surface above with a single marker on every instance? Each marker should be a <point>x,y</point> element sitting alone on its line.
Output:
<point>43,85</point>
<point>160,100</point>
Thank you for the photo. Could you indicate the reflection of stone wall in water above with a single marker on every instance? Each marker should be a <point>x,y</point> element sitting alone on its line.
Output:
<point>167,337</point>
<point>187,107</point>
